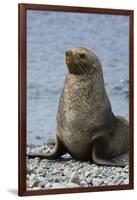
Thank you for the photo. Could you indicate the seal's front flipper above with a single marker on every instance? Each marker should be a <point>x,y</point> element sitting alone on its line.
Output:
<point>56,153</point>
<point>98,156</point>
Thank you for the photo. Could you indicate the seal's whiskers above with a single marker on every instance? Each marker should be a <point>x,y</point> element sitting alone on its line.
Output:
<point>82,67</point>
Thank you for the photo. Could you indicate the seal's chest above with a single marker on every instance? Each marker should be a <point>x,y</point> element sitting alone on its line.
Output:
<point>77,102</point>
<point>77,143</point>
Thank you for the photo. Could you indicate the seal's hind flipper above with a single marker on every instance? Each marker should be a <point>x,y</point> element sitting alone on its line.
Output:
<point>56,153</point>
<point>96,157</point>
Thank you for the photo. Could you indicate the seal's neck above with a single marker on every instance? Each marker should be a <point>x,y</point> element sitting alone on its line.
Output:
<point>87,82</point>
<point>96,77</point>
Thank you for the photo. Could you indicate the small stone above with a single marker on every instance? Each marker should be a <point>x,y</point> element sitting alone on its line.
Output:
<point>74,178</point>
<point>96,170</point>
<point>83,183</point>
<point>81,165</point>
<point>29,171</point>
<point>105,182</point>
<point>82,177</point>
<point>94,165</point>
<point>39,170</point>
<point>41,178</point>
<point>79,171</point>
<point>87,173</point>
<point>43,183</point>
<point>69,185</point>
<point>94,175</point>
<point>61,168</point>
<point>56,179</point>
<point>55,171</point>
<point>126,181</point>
<point>120,182</point>
<point>27,183</point>
<point>27,176</point>
<point>35,166</point>
<point>118,169</point>
<point>89,180</point>
<point>48,185</point>
<point>67,172</point>
<point>97,181</point>
<point>57,185</point>
<point>32,177</point>
<point>36,188</point>
<point>65,179</point>
<point>33,183</point>
<point>115,180</point>
<point>126,169</point>
<point>100,175</point>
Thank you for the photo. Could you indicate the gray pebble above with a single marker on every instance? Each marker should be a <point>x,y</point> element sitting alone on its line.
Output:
<point>32,177</point>
<point>42,183</point>
<point>97,181</point>
<point>89,180</point>
<point>126,181</point>
<point>56,179</point>
<point>93,175</point>
<point>74,178</point>
<point>28,176</point>
<point>33,183</point>
<point>67,172</point>
<point>79,171</point>
<point>83,183</point>
<point>36,188</point>
<point>56,185</point>
<point>87,173</point>
<point>81,165</point>
<point>69,185</point>
<point>48,185</point>
<point>39,170</point>
<point>55,171</point>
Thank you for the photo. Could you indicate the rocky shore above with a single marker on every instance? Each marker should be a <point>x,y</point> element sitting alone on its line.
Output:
<point>67,172</point>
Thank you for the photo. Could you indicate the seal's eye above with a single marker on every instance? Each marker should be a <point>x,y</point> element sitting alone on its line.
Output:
<point>82,55</point>
<point>67,53</point>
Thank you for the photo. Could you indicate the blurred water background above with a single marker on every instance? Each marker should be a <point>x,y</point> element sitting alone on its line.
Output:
<point>49,35</point>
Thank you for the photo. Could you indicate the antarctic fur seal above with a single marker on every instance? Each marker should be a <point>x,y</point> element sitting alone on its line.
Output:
<point>87,129</point>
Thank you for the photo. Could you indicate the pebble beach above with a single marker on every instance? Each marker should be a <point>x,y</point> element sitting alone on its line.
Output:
<point>67,172</point>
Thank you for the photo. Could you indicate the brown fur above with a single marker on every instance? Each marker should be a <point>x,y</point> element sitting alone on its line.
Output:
<point>86,125</point>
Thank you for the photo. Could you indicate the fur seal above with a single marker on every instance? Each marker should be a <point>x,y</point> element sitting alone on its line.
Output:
<point>87,129</point>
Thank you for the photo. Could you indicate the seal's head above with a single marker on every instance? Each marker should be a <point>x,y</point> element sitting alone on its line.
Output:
<point>81,60</point>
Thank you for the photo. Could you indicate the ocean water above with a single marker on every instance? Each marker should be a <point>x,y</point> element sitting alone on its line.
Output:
<point>49,35</point>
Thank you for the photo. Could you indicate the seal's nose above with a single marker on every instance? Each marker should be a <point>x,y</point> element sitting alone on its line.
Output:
<point>71,57</point>
<point>68,56</point>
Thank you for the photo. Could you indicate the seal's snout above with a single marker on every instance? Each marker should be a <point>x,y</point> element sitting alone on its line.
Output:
<point>67,56</point>
<point>78,61</point>
<point>69,53</point>
<point>70,58</point>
